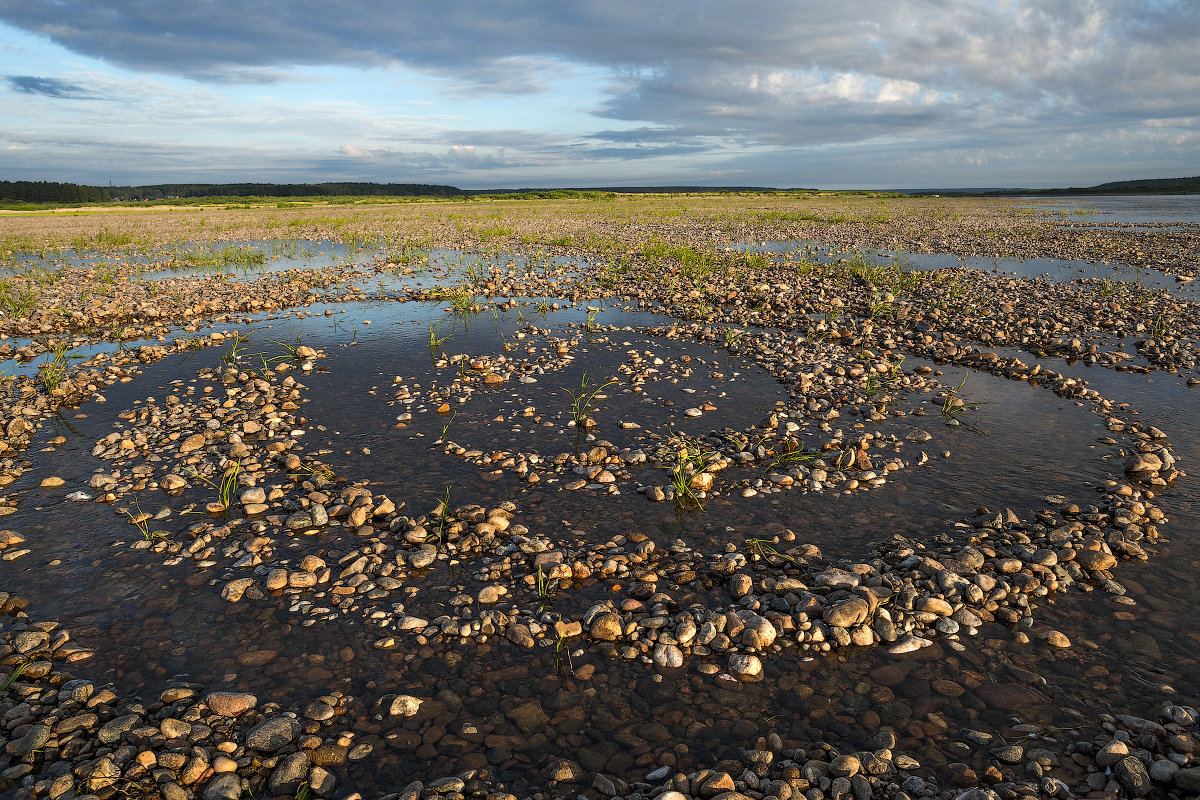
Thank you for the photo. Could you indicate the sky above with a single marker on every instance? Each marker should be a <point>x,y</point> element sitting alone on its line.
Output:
<point>523,93</point>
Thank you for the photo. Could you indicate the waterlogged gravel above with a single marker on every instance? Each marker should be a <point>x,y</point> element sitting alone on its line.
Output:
<point>609,543</point>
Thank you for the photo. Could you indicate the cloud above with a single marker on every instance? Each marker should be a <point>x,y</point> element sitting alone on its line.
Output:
<point>47,87</point>
<point>686,83</point>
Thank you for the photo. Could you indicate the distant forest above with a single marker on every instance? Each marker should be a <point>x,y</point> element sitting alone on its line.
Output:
<point>1143,186</point>
<point>1147,186</point>
<point>49,192</point>
<point>68,193</point>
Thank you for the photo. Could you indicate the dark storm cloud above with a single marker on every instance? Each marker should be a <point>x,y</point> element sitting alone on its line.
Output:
<point>47,87</point>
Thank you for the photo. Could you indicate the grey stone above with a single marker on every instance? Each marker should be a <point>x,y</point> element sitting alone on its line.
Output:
<point>37,736</point>
<point>272,734</point>
<point>1188,780</point>
<point>1131,773</point>
<point>115,729</point>
<point>291,771</point>
<point>225,786</point>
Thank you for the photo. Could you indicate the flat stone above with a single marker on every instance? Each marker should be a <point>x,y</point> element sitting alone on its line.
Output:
<point>933,605</point>
<point>115,729</point>
<point>529,717</point>
<point>230,704</point>
<point>273,734</point>
<point>34,739</point>
<point>236,588</point>
<point>193,442</point>
<point>1056,639</point>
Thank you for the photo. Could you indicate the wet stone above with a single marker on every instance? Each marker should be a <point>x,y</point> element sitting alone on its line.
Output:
<point>606,627</point>
<point>405,706</point>
<point>273,734</point>
<point>1011,754</point>
<point>229,704</point>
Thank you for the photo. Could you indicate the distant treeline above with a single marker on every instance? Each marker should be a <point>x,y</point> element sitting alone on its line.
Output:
<point>50,192</point>
<point>1142,186</point>
<point>1148,186</point>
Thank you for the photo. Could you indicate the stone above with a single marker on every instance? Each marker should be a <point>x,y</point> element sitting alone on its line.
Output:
<point>1131,774</point>
<point>606,627</point>
<point>104,774</point>
<point>405,705</point>
<point>563,770</point>
<point>745,666</point>
<point>193,442</point>
<point>668,655</point>
<point>520,635</point>
<point>908,644</point>
<point>273,734</point>
<point>933,605</point>
<point>230,704</point>
<point>1009,754</point>
<point>845,766</point>
<point>1095,559</point>
<point>33,739</point>
<point>1111,753</point>
<point>740,586</point>
<point>759,632</point>
<point>847,613</point>
<point>1163,770</point>
<point>172,483</point>
<point>236,588</point>
<point>1056,639</point>
<point>223,786</point>
<point>1188,780</point>
<point>174,728</point>
<point>529,717</point>
<point>253,495</point>
<point>1138,463</point>
<point>115,729</point>
<point>321,782</point>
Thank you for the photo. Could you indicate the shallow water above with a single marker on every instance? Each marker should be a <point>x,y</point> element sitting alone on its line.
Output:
<point>1058,270</point>
<point>1127,209</point>
<point>150,621</point>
